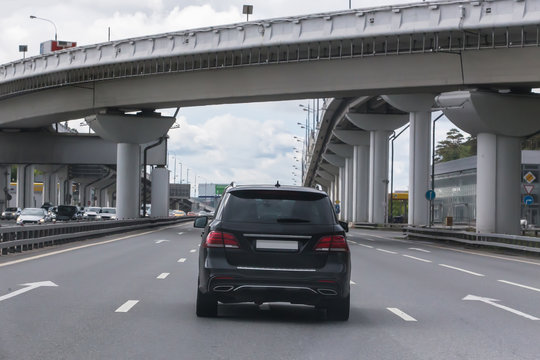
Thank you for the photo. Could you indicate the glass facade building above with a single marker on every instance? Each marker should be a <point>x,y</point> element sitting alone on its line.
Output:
<point>455,189</point>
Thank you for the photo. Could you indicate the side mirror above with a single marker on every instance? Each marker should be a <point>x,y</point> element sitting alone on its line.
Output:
<point>344,225</point>
<point>200,222</point>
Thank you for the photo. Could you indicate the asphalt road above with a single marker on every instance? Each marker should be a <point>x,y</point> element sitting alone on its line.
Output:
<point>132,296</point>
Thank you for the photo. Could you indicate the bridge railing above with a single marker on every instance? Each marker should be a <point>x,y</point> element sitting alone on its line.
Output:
<point>515,242</point>
<point>28,237</point>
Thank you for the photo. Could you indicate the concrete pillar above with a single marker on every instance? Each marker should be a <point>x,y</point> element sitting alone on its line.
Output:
<point>25,186</point>
<point>349,186</point>
<point>127,181</point>
<point>419,161</point>
<point>498,121</point>
<point>379,126</point>
<point>46,188</point>
<point>5,175</point>
<point>360,183</point>
<point>419,108</point>
<point>160,192</point>
<point>498,189</point>
<point>341,198</point>
<point>378,179</point>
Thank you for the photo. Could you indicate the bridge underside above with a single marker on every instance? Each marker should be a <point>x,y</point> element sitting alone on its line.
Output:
<point>347,77</point>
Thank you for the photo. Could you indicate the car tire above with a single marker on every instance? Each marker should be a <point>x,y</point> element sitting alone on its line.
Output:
<point>206,305</point>
<point>339,309</point>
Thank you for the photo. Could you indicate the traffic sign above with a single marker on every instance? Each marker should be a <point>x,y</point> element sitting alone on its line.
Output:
<point>528,199</point>
<point>430,195</point>
<point>528,188</point>
<point>529,177</point>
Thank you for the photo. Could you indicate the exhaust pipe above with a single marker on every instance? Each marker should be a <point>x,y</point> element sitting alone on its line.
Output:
<point>327,292</point>
<point>223,288</point>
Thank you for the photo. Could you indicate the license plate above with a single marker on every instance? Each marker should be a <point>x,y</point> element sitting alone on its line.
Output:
<point>276,245</point>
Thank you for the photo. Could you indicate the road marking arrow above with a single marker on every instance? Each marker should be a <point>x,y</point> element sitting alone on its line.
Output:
<point>29,286</point>
<point>160,241</point>
<point>493,303</point>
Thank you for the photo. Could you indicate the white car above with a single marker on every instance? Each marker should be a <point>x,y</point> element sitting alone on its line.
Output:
<point>92,213</point>
<point>108,213</point>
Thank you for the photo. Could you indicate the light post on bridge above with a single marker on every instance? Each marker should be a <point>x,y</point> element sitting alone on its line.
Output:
<point>50,21</point>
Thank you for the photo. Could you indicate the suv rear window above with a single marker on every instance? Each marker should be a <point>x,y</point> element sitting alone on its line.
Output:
<point>274,206</point>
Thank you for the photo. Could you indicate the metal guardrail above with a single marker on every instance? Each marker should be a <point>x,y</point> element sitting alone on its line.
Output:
<point>524,243</point>
<point>28,237</point>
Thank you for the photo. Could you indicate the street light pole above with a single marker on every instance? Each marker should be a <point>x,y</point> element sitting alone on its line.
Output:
<point>50,21</point>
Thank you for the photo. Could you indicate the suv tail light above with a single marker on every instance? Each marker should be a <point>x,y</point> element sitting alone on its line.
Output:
<point>332,243</point>
<point>218,239</point>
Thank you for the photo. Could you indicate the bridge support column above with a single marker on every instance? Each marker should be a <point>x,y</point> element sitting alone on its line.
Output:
<point>127,181</point>
<point>160,192</point>
<point>339,160</point>
<point>128,131</point>
<point>361,184</point>
<point>419,108</point>
<point>499,121</point>
<point>25,186</point>
<point>5,175</point>
<point>379,126</point>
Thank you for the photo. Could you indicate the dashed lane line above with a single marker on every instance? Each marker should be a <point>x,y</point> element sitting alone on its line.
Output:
<point>368,246</point>
<point>181,260</point>
<point>352,282</point>
<point>460,269</point>
<point>421,250</point>
<point>417,258</point>
<point>127,306</point>
<point>192,250</point>
<point>180,233</point>
<point>386,251</point>
<point>401,314</point>
<point>163,276</point>
<point>519,285</point>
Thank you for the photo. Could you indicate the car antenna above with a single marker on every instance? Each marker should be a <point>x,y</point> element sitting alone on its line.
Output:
<point>277,184</point>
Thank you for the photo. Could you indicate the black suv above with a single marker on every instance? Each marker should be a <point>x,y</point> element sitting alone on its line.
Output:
<point>274,244</point>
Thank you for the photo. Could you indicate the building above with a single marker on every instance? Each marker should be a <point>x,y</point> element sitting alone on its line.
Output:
<point>455,189</point>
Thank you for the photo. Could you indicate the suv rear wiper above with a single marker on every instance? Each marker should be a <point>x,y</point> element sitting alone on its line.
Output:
<point>292,220</point>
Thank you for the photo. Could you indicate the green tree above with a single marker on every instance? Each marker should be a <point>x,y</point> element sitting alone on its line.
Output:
<point>455,146</point>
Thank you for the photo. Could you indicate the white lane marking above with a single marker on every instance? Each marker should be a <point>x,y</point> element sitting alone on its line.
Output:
<point>163,276</point>
<point>368,239</point>
<point>84,246</point>
<point>180,233</point>
<point>353,283</point>
<point>182,260</point>
<point>418,249</point>
<point>199,245</point>
<point>401,314</point>
<point>462,270</point>
<point>192,250</point>
<point>516,284</point>
<point>127,306</point>
<point>368,246</point>
<point>493,303</point>
<point>29,286</point>
<point>382,237</point>
<point>161,241</point>
<point>352,242</point>
<point>417,258</point>
<point>386,251</point>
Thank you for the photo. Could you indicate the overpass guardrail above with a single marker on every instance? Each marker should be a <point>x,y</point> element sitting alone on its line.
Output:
<point>515,242</point>
<point>28,237</point>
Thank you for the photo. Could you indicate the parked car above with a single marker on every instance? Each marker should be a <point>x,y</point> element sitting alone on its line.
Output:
<point>274,244</point>
<point>66,212</point>
<point>108,213</point>
<point>33,216</point>
<point>92,213</point>
<point>11,213</point>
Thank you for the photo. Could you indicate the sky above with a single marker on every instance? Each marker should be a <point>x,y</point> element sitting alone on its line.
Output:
<point>245,143</point>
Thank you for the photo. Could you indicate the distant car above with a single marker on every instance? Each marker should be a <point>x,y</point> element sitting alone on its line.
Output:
<point>108,213</point>
<point>274,244</point>
<point>11,213</point>
<point>66,212</point>
<point>33,216</point>
<point>191,213</point>
<point>178,213</point>
<point>523,223</point>
<point>92,213</point>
